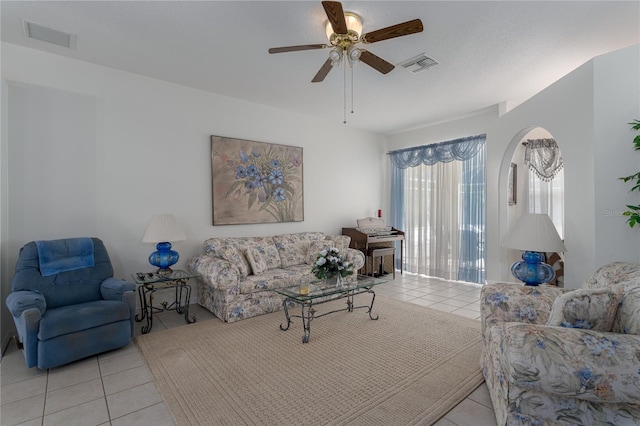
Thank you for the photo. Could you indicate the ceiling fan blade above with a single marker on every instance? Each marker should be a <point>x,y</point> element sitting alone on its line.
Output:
<point>375,62</point>
<point>398,30</point>
<point>296,48</point>
<point>322,73</point>
<point>335,14</point>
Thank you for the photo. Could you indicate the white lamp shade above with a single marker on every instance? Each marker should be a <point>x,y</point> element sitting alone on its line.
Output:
<point>534,232</point>
<point>163,228</point>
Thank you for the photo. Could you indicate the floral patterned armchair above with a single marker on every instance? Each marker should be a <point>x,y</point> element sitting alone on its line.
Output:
<point>554,356</point>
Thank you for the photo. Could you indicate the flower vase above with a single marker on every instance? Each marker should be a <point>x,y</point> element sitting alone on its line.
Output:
<point>339,281</point>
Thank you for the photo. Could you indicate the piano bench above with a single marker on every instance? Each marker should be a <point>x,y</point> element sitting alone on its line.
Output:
<point>375,253</point>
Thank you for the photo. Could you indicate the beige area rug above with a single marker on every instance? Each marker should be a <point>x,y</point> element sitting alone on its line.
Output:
<point>411,366</point>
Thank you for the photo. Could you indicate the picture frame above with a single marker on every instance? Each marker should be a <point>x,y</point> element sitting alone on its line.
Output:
<point>512,184</point>
<point>255,182</point>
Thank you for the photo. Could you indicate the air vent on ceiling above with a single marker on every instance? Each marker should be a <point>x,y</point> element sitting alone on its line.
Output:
<point>419,63</point>
<point>49,35</point>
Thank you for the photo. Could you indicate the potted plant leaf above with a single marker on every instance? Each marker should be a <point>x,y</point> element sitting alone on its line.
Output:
<point>633,212</point>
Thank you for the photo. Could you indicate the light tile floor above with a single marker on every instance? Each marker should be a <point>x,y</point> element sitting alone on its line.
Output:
<point>117,388</point>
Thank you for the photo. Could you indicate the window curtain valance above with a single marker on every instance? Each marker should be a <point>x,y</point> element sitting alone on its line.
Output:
<point>543,158</point>
<point>444,152</point>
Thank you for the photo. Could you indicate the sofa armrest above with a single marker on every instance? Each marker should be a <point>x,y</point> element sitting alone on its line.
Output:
<point>504,302</point>
<point>114,289</point>
<point>572,363</point>
<point>356,258</point>
<point>214,271</point>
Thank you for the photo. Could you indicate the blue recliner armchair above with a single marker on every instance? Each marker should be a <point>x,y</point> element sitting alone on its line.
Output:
<point>66,304</point>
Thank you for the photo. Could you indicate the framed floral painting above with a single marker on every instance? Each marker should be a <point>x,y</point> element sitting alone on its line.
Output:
<point>255,182</point>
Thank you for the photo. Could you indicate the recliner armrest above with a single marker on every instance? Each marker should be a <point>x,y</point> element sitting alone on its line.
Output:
<point>503,302</point>
<point>114,289</point>
<point>20,301</point>
<point>573,363</point>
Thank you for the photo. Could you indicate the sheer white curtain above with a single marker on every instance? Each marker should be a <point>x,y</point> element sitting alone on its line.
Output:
<point>548,197</point>
<point>432,201</point>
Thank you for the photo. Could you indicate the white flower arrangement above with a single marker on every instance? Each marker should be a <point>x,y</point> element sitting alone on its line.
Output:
<point>330,263</point>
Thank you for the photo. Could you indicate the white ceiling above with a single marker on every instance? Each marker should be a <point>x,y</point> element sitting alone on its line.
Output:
<point>488,52</point>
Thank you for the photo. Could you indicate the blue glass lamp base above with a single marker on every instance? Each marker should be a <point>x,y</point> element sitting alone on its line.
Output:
<point>163,258</point>
<point>532,270</point>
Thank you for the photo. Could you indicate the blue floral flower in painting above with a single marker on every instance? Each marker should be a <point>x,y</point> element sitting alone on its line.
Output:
<point>252,170</point>
<point>260,180</point>
<point>241,172</point>
<point>276,177</point>
<point>263,183</point>
<point>278,195</point>
<point>496,299</point>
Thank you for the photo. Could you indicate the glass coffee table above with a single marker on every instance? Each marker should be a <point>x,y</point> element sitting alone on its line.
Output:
<point>309,294</point>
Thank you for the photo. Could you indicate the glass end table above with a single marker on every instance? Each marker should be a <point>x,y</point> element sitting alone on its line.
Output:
<point>148,283</point>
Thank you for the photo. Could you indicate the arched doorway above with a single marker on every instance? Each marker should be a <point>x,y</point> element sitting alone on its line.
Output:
<point>536,185</point>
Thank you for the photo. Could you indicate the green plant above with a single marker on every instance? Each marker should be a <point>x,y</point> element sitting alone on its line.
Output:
<point>634,211</point>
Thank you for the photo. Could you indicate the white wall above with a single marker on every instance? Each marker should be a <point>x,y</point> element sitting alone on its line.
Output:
<point>95,151</point>
<point>587,112</point>
<point>459,128</point>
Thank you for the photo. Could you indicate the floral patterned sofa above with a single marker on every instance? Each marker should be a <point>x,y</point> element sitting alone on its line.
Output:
<point>554,356</point>
<point>238,273</point>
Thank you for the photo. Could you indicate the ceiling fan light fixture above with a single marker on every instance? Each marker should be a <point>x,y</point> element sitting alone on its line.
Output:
<point>353,54</point>
<point>354,25</point>
<point>336,56</point>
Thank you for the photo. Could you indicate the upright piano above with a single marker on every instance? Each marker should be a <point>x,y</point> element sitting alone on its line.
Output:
<point>361,238</point>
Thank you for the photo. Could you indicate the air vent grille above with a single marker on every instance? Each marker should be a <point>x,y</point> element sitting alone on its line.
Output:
<point>419,63</point>
<point>49,35</point>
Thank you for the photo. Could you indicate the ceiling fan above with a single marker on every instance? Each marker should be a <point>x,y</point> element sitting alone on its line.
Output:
<point>344,32</point>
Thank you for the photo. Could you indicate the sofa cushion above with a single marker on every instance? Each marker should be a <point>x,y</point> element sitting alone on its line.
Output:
<point>628,317</point>
<point>234,256</point>
<point>268,280</point>
<point>341,242</point>
<point>257,260</point>
<point>268,249</point>
<point>315,247</point>
<point>293,247</point>
<point>591,309</point>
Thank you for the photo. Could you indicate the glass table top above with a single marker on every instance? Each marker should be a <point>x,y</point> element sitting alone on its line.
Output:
<point>313,288</point>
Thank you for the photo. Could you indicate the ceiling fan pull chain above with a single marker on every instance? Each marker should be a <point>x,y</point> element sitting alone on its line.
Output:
<point>344,89</point>
<point>352,83</point>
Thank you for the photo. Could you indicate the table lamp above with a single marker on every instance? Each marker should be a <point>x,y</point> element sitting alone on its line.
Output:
<point>162,229</point>
<point>535,234</point>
